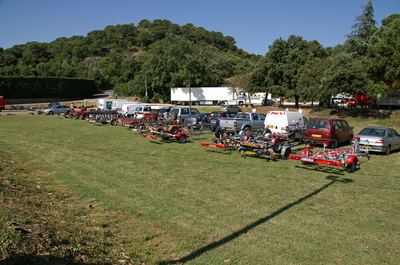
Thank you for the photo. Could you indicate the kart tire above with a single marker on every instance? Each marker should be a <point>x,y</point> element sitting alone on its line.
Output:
<point>182,139</point>
<point>352,167</point>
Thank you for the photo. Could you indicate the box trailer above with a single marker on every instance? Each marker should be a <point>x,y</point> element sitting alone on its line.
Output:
<point>201,95</point>
<point>216,95</point>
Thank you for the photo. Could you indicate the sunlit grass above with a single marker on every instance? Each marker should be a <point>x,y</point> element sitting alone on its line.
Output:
<point>197,197</point>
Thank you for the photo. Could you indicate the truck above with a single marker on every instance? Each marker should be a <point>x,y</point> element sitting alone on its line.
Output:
<point>243,121</point>
<point>390,100</point>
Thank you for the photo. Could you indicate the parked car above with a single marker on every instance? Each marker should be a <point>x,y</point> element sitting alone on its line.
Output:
<point>230,108</point>
<point>216,115</point>
<point>291,124</point>
<point>269,102</point>
<point>56,109</point>
<point>379,139</point>
<point>141,110</point>
<point>180,113</point>
<point>164,112</point>
<point>328,131</point>
<point>243,121</point>
<point>196,120</point>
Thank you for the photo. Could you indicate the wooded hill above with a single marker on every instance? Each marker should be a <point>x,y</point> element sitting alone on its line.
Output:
<point>124,57</point>
<point>160,55</point>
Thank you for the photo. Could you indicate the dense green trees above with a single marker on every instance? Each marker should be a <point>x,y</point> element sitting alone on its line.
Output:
<point>127,57</point>
<point>148,59</point>
<point>368,62</point>
<point>281,65</point>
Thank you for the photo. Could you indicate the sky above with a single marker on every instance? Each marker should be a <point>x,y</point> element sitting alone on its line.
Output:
<point>254,24</point>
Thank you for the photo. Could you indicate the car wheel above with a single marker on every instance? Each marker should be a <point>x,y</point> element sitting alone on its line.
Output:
<point>388,150</point>
<point>114,122</point>
<point>51,113</point>
<point>247,130</point>
<point>334,144</point>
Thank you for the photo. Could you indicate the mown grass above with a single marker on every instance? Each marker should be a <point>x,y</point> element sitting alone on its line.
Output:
<point>200,207</point>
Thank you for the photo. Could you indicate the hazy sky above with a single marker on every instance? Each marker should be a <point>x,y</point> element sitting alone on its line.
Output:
<point>253,24</point>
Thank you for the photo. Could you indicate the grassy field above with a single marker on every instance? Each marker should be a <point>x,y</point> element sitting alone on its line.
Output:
<point>198,207</point>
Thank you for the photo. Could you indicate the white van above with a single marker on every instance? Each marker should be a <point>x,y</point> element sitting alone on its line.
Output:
<point>104,104</point>
<point>141,110</point>
<point>287,123</point>
<point>129,108</point>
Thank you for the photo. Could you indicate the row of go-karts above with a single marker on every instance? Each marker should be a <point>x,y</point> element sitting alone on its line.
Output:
<point>260,143</point>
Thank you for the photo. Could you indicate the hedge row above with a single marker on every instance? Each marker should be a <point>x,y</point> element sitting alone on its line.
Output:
<point>46,87</point>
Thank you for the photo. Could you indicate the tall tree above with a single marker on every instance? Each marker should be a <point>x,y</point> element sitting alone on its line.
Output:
<point>384,53</point>
<point>344,75</point>
<point>282,63</point>
<point>363,30</point>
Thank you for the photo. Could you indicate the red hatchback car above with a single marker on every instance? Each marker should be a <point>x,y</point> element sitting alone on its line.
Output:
<point>328,131</point>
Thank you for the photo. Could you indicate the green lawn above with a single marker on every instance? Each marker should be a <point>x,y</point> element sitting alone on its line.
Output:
<point>209,208</point>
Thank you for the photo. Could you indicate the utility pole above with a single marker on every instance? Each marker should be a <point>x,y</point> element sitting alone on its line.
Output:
<point>190,97</point>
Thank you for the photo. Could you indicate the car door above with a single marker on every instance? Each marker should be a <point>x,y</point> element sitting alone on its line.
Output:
<point>255,120</point>
<point>394,139</point>
<point>337,131</point>
<point>347,132</point>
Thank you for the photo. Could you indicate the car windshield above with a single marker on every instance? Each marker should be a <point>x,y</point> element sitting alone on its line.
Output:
<point>318,125</point>
<point>174,111</point>
<point>373,132</point>
<point>194,111</point>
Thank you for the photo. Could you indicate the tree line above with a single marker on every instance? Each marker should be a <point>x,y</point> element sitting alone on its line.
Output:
<point>148,59</point>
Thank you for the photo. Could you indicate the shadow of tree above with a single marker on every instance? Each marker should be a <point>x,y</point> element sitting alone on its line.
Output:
<point>213,245</point>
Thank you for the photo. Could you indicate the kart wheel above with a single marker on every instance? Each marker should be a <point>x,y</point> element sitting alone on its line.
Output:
<point>114,123</point>
<point>218,133</point>
<point>287,153</point>
<point>182,139</point>
<point>174,130</point>
<point>352,167</point>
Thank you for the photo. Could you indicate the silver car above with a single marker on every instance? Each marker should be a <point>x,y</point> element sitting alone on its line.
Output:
<point>379,139</point>
<point>56,109</point>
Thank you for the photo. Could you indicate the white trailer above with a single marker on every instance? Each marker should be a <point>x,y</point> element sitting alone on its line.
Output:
<point>201,95</point>
<point>216,95</point>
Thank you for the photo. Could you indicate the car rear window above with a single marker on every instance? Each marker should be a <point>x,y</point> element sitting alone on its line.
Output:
<point>243,116</point>
<point>318,124</point>
<point>373,132</point>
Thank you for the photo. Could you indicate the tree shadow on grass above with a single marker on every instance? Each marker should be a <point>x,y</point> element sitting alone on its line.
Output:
<point>361,113</point>
<point>213,245</point>
<point>32,259</point>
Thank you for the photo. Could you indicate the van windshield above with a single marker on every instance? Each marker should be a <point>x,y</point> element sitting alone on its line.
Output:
<point>318,125</point>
